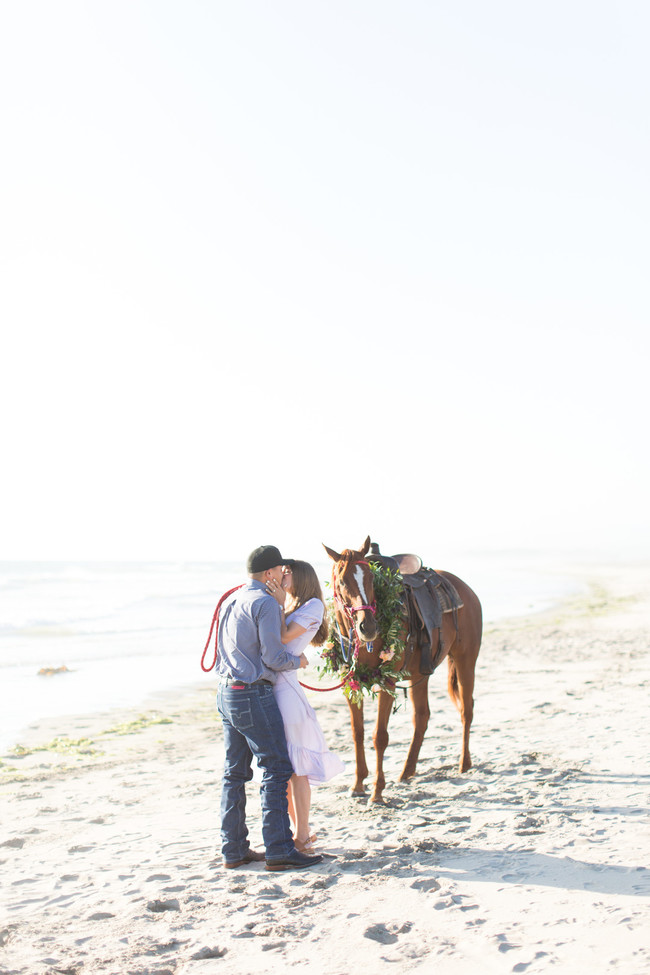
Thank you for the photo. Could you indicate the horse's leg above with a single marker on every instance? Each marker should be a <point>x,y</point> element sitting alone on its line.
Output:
<point>461,691</point>
<point>380,741</point>
<point>356,720</point>
<point>464,646</point>
<point>419,694</point>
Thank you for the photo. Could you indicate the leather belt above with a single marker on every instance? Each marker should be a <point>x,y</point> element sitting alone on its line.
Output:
<point>229,681</point>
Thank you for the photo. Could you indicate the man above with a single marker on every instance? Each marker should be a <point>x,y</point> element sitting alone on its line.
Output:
<point>250,655</point>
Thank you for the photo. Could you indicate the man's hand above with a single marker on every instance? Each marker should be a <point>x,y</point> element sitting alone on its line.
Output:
<point>303,662</point>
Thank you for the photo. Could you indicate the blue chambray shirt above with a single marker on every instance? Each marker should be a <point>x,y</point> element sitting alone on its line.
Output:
<point>250,647</point>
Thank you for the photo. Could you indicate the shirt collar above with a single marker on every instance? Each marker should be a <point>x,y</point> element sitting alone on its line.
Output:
<point>256,584</point>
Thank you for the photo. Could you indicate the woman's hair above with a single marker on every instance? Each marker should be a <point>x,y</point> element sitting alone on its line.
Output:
<point>305,585</point>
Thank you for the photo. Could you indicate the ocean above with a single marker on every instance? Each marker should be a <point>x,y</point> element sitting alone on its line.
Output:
<point>126,631</point>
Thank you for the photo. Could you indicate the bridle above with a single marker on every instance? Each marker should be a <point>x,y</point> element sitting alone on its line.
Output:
<point>350,645</point>
<point>350,610</point>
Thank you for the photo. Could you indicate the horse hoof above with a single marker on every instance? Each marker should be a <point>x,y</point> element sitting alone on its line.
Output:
<point>358,793</point>
<point>465,766</point>
<point>377,800</point>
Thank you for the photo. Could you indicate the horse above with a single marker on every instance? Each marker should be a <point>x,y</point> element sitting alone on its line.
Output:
<point>353,589</point>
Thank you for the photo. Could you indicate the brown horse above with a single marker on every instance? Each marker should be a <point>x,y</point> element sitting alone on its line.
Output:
<point>353,588</point>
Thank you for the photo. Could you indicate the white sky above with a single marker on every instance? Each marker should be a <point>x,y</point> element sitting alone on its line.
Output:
<point>295,272</point>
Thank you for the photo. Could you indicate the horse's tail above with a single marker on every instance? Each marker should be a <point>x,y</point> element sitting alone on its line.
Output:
<point>452,683</point>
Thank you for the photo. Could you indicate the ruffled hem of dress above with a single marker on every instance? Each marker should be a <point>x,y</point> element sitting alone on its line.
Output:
<point>317,766</point>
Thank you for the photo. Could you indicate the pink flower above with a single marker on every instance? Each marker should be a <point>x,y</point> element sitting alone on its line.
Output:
<point>353,685</point>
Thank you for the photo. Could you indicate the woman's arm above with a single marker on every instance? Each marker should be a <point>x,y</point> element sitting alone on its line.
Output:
<point>290,632</point>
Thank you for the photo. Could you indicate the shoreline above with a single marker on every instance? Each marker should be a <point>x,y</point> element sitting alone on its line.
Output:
<point>113,626</point>
<point>534,860</point>
<point>31,728</point>
<point>581,605</point>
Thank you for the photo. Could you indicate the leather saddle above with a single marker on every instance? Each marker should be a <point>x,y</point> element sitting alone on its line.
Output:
<point>428,595</point>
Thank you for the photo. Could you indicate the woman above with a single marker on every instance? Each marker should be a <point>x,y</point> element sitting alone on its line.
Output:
<point>304,623</point>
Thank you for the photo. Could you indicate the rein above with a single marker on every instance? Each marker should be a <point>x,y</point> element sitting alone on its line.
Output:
<point>346,656</point>
<point>325,689</point>
<point>215,626</point>
<point>215,623</point>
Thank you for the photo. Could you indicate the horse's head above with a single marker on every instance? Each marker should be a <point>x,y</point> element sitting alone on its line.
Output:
<point>354,593</point>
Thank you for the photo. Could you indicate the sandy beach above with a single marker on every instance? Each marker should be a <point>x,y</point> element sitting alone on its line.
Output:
<point>536,860</point>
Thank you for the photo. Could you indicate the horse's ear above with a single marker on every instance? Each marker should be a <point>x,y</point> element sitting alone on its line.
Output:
<point>332,554</point>
<point>366,545</point>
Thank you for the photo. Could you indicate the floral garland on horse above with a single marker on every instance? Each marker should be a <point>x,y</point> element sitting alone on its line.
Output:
<point>362,678</point>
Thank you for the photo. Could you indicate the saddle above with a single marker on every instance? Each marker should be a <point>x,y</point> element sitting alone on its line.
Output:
<point>428,595</point>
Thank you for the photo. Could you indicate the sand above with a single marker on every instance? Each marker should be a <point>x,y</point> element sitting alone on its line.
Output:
<point>534,861</point>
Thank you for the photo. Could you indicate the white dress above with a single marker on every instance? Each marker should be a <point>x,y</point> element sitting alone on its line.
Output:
<point>306,743</point>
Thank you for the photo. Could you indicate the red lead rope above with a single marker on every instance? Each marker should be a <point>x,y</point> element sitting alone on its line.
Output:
<point>215,626</point>
<point>335,688</point>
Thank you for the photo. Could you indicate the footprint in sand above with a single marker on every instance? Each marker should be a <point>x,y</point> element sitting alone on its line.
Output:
<point>162,949</point>
<point>426,885</point>
<point>209,953</point>
<point>523,965</point>
<point>505,946</point>
<point>6,934</point>
<point>444,904</point>
<point>324,882</point>
<point>158,906</point>
<point>301,901</point>
<point>237,887</point>
<point>386,935</point>
<point>272,892</point>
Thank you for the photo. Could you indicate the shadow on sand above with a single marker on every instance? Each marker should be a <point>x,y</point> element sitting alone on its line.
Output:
<point>529,869</point>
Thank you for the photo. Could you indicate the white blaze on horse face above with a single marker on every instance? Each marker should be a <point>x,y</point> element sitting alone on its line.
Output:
<point>358,575</point>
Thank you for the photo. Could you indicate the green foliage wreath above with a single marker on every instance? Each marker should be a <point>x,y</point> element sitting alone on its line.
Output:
<point>360,679</point>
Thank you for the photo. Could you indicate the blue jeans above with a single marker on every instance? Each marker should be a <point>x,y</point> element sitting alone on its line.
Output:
<point>252,726</point>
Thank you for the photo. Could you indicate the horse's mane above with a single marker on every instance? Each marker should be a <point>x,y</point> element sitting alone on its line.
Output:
<point>348,558</point>
<point>348,555</point>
